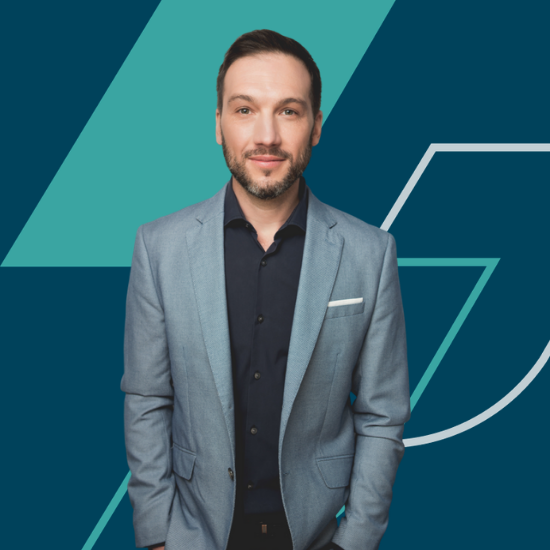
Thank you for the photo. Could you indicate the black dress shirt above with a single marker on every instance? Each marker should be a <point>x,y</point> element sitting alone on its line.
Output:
<point>261,289</point>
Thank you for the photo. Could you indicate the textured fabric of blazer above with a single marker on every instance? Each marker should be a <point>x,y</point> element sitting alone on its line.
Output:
<point>348,334</point>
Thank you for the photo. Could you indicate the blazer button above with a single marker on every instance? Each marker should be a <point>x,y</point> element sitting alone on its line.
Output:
<point>257,375</point>
<point>253,430</point>
<point>231,474</point>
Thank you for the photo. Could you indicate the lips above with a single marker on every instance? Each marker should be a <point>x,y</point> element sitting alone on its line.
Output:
<point>266,161</point>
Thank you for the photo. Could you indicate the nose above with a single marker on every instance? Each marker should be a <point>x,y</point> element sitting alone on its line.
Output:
<point>266,131</point>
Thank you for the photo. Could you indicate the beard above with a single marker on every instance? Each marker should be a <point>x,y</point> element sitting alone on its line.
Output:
<point>277,188</point>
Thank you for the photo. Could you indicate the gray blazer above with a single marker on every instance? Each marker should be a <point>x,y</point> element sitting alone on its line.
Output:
<point>348,334</point>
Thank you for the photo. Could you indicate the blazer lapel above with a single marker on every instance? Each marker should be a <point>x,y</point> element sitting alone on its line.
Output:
<point>321,258</point>
<point>205,245</point>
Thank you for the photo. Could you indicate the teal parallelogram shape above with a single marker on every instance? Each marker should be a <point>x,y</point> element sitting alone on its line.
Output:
<point>149,148</point>
<point>489,264</point>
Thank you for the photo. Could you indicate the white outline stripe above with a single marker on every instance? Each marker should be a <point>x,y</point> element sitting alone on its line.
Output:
<point>390,218</point>
<point>497,407</point>
<point>456,148</point>
<point>345,302</point>
<point>413,180</point>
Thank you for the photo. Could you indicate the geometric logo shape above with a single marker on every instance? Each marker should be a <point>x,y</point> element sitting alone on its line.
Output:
<point>490,264</point>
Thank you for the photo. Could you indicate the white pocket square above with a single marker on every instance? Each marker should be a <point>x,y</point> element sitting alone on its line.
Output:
<point>345,302</point>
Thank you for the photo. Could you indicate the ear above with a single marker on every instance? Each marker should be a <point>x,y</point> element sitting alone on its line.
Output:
<point>218,127</point>
<point>317,125</point>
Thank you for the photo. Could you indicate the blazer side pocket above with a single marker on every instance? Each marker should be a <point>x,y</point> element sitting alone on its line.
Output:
<point>336,470</point>
<point>344,311</point>
<point>183,462</point>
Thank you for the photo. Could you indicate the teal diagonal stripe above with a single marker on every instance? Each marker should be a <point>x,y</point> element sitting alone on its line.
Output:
<point>490,265</point>
<point>149,148</point>
<point>106,516</point>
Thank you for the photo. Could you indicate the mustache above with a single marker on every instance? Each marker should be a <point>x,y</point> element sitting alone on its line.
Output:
<point>276,152</point>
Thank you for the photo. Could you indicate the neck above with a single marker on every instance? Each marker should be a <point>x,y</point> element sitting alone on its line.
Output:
<point>267,216</point>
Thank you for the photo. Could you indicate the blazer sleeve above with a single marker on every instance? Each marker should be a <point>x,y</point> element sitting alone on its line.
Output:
<point>381,384</point>
<point>148,403</point>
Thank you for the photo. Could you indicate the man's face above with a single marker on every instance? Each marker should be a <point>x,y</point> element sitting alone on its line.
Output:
<point>267,128</point>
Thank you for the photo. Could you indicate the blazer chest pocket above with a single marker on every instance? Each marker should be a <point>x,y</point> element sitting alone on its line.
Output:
<point>344,308</point>
<point>336,470</point>
<point>183,462</point>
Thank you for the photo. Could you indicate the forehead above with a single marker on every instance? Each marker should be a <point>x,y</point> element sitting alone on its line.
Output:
<point>268,76</point>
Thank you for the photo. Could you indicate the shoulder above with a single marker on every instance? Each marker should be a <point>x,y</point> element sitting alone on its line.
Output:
<point>358,234</point>
<point>176,225</point>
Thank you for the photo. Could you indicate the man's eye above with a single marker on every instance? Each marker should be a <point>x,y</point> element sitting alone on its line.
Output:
<point>244,109</point>
<point>290,111</point>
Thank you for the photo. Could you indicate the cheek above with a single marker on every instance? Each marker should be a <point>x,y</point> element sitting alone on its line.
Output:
<point>300,148</point>
<point>296,139</point>
<point>236,137</point>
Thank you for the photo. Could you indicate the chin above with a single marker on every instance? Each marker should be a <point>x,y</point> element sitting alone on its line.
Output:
<point>266,180</point>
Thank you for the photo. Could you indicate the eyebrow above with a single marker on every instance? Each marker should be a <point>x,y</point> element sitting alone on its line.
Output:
<point>281,103</point>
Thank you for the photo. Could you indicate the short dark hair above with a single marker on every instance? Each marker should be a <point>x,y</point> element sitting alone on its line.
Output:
<point>266,41</point>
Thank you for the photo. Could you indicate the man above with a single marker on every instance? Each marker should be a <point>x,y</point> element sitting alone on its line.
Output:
<point>251,316</point>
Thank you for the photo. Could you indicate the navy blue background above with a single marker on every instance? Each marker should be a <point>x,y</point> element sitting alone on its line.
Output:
<point>437,72</point>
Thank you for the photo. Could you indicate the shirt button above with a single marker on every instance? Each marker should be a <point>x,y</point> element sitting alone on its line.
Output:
<point>260,318</point>
<point>263,263</point>
<point>257,375</point>
<point>247,225</point>
<point>250,485</point>
<point>231,474</point>
<point>253,430</point>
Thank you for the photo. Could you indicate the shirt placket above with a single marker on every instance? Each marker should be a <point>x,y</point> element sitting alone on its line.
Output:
<point>254,434</point>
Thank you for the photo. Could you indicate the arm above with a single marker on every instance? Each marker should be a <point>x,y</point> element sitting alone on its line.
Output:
<point>148,403</point>
<point>381,384</point>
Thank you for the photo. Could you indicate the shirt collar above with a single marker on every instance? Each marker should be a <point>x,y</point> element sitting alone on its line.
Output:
<point>232,208</point>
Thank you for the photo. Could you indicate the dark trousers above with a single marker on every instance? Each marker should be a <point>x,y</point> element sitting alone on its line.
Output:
<point>260,532</point>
